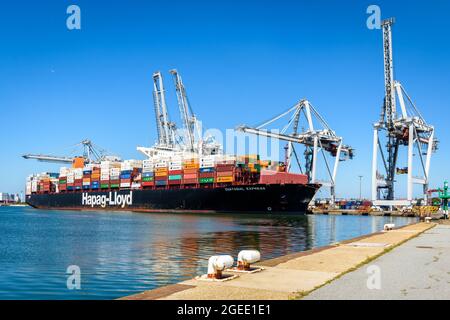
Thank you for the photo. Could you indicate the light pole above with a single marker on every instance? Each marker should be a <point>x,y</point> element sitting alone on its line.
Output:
<point>360,179</point>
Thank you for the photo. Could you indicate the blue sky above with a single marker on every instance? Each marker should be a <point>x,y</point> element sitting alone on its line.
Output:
<point>241,63</point>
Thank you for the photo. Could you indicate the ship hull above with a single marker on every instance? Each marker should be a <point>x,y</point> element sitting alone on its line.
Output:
<point>288,198</point>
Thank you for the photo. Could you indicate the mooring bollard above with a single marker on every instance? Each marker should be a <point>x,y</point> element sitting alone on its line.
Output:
<point>246,257</point>
<point>389,226</point>
<point>217,264</point>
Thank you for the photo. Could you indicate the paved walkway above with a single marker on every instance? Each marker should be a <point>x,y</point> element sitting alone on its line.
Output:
<point>418,269</point>
<point>294,275</point>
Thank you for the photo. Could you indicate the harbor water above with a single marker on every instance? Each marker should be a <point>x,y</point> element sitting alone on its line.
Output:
<point>122,253</point>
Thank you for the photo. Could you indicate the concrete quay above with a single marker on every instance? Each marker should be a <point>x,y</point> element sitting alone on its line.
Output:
<point>293,276</point>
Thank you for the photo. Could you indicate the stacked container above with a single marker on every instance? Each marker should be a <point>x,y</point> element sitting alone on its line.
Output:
<point>225,172</point>
<point>190,171</point>
<point>95,177</point>
<point>125,175</point>
<point>63,171</point>
<point>104,174</point>
<point>28,188</point>
<point>207,170</point>
<point>161,173</point>
<point>114,177</point>
<point>70,180</point>
<point>147,173</point>
<point>78,175</point>
<point>175,171</point>
<point>87,171</point>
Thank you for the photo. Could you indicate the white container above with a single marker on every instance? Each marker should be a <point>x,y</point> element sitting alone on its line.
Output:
<point>125,185</point>
<point>135,185</point>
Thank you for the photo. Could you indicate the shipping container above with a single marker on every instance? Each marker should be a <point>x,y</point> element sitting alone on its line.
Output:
<point>224,179</point>
<point>175,177</point>
<point>206,180</point>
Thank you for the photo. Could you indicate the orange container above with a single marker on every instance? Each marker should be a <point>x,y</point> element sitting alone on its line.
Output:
<point>189,171</point>
<point>160,174</point>
<point>78,163</point>
<point>191,166</point>
<point>224,179</point>
<point>161,170</point>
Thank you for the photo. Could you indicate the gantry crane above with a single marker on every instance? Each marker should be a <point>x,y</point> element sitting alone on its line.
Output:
<point>318,137</point>
<point>91,154</point>
<point>407,128</point>
<point>190,124</point>
<point>173,141</point>
<point>165,128</point>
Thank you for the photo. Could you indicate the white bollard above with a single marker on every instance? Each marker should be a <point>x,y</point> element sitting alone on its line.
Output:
<point>246,257</point>
<point>389,226</point>
<point>216,264</point>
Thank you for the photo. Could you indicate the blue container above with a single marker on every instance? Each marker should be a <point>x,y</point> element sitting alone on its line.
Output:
<point>161,182</point>
<point>70,188</point>
<point>95,186</point>
<point>87,172</point>
<point>125,176</point>
<point>53,175</point>
<point>77,188</point>
<point>207,170</point>
<point>126,172</point>
<point>86,187</point>
<point>147,174</point>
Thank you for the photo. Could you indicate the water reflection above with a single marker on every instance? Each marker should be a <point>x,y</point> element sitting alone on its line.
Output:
<point>123,253</point>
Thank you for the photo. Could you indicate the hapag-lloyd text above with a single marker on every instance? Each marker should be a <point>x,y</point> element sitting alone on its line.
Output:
<point>113,199</point>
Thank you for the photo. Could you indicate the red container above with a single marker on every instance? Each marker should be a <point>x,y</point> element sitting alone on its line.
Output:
<point>274,177</point>
<point>174,172</point>
<point>190,181</point>
<point>190,171</point>
<point>125,180</point>
<point>225,167</point>
<point>224,173</point>
<point>114,181</point>
<point>174,182</point>
<point>206,175</point>
<point>148,184</point>
<point>190,176</point>
<point>161,178</point>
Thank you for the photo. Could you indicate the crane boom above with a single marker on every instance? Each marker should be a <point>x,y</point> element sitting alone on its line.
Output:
<point>187,116</point>
<point>163,125</point>
<point>389,108</point>
<point>314,139</point>
<point>48,158</point>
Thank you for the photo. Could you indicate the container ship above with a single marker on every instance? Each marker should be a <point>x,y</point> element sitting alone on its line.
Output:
<point>242,185</point>
<point>182,172</point>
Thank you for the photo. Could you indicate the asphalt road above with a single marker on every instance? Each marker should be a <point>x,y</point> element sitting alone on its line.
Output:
<point>418,269</point>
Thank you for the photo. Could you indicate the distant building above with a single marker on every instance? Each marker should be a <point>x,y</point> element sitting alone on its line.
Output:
<point>9,197</point>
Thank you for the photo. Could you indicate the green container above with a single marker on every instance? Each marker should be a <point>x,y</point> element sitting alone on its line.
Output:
<point>206,180</point>
<point>175,177</point>
<point>62,181</point>
<point>104,186</point>
<point>147,179</point>
<point>115,185</point>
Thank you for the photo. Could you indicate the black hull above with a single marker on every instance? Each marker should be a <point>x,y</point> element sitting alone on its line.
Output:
<point>292,198</point>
